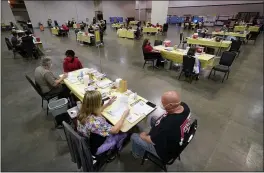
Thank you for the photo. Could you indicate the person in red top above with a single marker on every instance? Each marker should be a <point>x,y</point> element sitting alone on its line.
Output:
<point>71,62</point>
<point>147,48</point>
<point>65,28</point>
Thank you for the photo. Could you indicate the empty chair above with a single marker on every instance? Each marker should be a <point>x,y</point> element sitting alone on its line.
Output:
<point>252,36</point>
<point>226,61</point>
<point>165,28</point>
<point>157,42</point>
<point>188,136</point>
<point>46,96</point>
<point>235,46</point>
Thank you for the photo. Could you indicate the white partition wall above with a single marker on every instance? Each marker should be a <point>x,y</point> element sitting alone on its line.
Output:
<point>6,13</point>
<point>159,12</point>
<point>41,11</point>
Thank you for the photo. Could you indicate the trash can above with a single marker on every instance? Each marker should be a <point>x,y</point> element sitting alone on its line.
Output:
<point>58,109</point>
<point>167,64</point>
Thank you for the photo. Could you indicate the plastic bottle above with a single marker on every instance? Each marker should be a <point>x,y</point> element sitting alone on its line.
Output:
<point>86,80</point>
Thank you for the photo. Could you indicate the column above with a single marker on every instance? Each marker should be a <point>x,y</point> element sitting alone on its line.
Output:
<point>159,12</point>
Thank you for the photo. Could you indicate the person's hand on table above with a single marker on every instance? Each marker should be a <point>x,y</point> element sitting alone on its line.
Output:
<point>64,76</point>
<point>125,114</point>
<point>112,100</point>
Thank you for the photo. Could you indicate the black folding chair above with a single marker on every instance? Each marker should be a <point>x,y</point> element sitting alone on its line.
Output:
<point>80,151</point>
<point>157,42</point>
<point>187,68</point>
<point>10,46</point>
<point>235,46</point>
<point>43,96</point>
<point>226,61</point>
<point>252,36</point>
<point>165,28</point>
<point>188,136</point>
<point>149,58</point>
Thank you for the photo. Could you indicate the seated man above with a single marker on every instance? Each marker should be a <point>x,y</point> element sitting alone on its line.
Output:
<point>48,83</point>
<point>16,42</point>
<point>167,131</point>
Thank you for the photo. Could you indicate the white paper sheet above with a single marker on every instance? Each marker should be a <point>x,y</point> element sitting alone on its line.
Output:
<point>103,84</point>
<point>141,108</point>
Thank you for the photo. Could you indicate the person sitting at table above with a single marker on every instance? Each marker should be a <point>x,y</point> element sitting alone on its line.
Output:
<point>71,62</point>
<point>27,42</point>
<point>65,28</point>
<point>196,67</point>
<point>147,48</point>
<point>167,131</point>
<point>48,82</point>
<point>16,42</point>
<point>91,124</point>
<point>90,29</point>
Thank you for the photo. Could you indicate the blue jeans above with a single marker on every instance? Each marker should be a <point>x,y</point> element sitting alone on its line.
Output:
<point>139,146</point>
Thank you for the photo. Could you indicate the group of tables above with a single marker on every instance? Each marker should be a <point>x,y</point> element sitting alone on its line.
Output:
<point>111,113</point>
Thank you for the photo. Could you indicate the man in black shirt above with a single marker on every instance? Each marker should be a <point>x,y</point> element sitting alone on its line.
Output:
<point>167,132</point>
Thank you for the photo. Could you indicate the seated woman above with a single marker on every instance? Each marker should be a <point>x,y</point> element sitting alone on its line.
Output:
<point>196,67</point>
<point>147,48</point>
<point>65,28</point>
<point>71,63</point>
<point>91,123</point>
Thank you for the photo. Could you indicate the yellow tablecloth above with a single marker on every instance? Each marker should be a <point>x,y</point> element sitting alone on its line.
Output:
<point>177,56</point>
<point>78,90</point>
<point>117,25</point>
<point>84,38</point>
<point>250,28</point>
<point>133,22</point>
<point>234,34</point>
<point>126,33</point>
<point>54,31</point>
<point>150,29</point>
<point>209,42</point>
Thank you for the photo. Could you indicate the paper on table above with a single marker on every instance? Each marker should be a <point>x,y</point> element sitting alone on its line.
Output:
<point>119,106</point>
<point>104,83</point>
<point>141,108</point>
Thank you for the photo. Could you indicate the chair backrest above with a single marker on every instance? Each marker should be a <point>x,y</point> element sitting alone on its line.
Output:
<point>35,86</point>
<point>165,27</point>
<point>188,136</point>
<point>181,37</point>
<point>235,46</point>
<point>157,42</point>
<point>8,44</point>
<point>188,64</point>
<point>227,58</point>
<point>79,148</point>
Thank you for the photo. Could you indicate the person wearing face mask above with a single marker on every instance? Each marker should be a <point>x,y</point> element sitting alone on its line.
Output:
<point>48,82</point>
<point>167,131</point>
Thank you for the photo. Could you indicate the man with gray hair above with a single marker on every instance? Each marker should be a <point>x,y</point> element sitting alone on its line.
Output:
<point>48,83</point>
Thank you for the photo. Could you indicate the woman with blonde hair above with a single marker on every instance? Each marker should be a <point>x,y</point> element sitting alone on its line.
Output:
<point>90,123</point>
